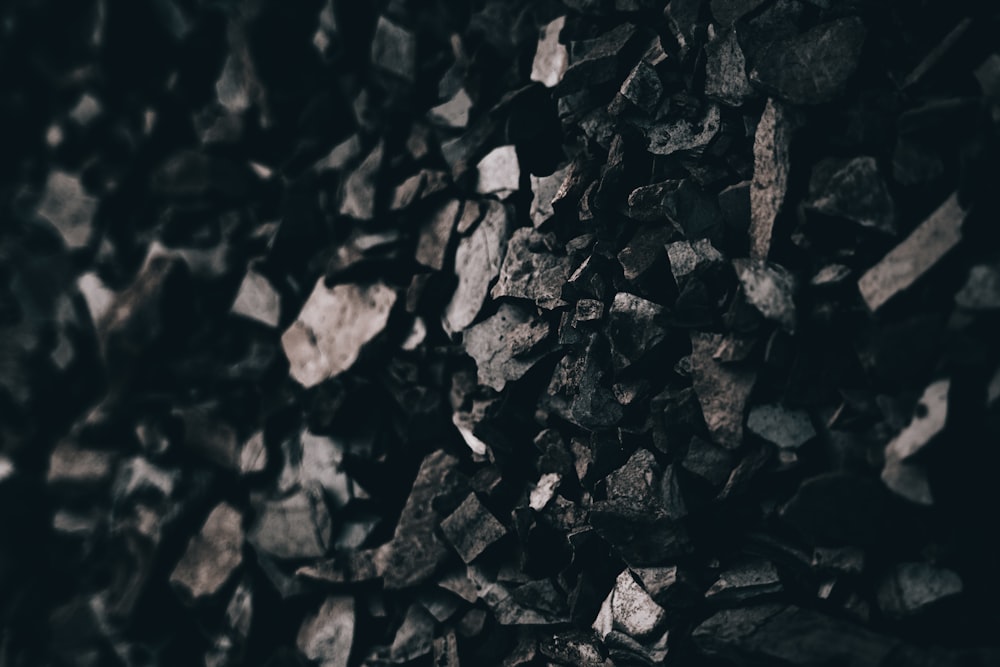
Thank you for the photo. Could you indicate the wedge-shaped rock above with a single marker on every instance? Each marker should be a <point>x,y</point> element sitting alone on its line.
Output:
<point>769,288</point>
<point>394,49</point>
<point>298,526</point>
<point>910,588</point>
<point>327,636</point>
<point>477,264</point>
<point>643,535</point>
<point>725,71</point>
<point>545,189</point>
<point>781,426</point>
<point>415,550</point>
<point>599,60</point>
<point>472,528</point>
<point>634,328</point>
<point>934,238</point>
<point>531,271</point>
<point>257,300</point>
<point>358,199</point>
<point>499,172</point>
<point>722,390</point>
<point>212,556</point>
<point>854,190</point>
<point>745,582</point>
<point>435,235</point>
<point>771,146</point>
<point>551,57</point>
<point>629,609</point>
<point>68,208</point>
<point>813,67</point>
<point>900,473</point>
<point>333,327</point>
<point>504,345</point>
<point>453,112</point>
<point>683,136</point>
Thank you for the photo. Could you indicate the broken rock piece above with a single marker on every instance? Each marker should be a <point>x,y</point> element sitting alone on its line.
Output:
<point>414,637</point>
<point>68,208</point>
<point>771,146</point>
<point>781,426</point>
<point>631,610</point>
<point>910,588</point>
<point>688,257</point>
<point>477,263</point>
<point>333,327</point>
<point>298,526</point>
<point>684,136</point>
<point>915,256</point>
<point>415,550</point>
<point>745,582</point>
<point>394,49</point>
<point>498,344</point>
<point>813,67</point>
<point>901,475</point>
<point>257,300</point>
<point>499,172</point>
<point>531,271</point>
<point>435,235</point>
<point>545,189</point>
<point>212,556</point>
<point>722,390</point>
<point>358,198</point>
<point>454,112</point>
<point>725,71</point>
<point>551,57</point>
<point>326,637</point>
<point>769,288</point>
<point>854,190</point>
<point>634,328</point>
<point>472,528</point>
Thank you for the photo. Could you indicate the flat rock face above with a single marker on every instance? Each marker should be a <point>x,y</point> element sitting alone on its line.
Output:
<point>771,146</point>
<point>326,637</point>
<point>477,264</point>
<point>504,345</point>
<point>212,556</point>
<point>68,208</point>
<point>531,271</point>
<point>722,390</point>
<point>258,300</point>
<point>910,588</point>
<point>551,57</point>
<point>298,526</point>
<point>900,473</point>
<point>499,172</point>
<point>333,327</point>
<point>472,528</point>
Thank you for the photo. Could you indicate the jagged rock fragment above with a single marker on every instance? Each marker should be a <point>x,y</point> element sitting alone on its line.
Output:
<point>499,172</point>
<point>725,71</point>
<point>545,189</point>
<point>394,49</point>
<point>499,345</point>
<point>414,637</point>
<point>69,464</point>
<point>934,238</point>
<point>630,609</point>
<point>477,263</point>
<point>531,271</point>
<point>68,208</point>
<point>472,528</point>
<point>910,588</point>
<point>435,235</point>
<point>981,291</point>
<point>903,476</point>
<point>687,258</point>
<point>551,57</point>
<point>771,146</point>
<point>358,198</point>
<point>689,137</point>
<point>415,550</point>
<point>257,300</point>
<point>599,59</point>
<point>854,190</point>
<point>745,582</point>
<point>781,426</point>
<point>813,67</point>
<point>634,328</point>
<point>212,556</point>
<point>298,526</point>
<point>769,288</point>
<point>722,390</point>
<point>333,327</point>
<point>643,87</point>
<point>326,637</point>
<point>454,112</point>
<point>643,251</point>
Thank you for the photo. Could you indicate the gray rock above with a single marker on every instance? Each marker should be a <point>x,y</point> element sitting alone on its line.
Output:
<point>68,208</point>
<point>327,636</point>
<point>499,172</point>
<point>781,426</point>
<point>257,300</point>
<point>772,142</point>
<point>725,71</point>
<point>69,464</point>
<point>634,328</point>
<point>530,271</point>
<point>358,197</point>
<point>982,289</point>
<point>854,190</point>
<point>472,528</point>
<point>333,327</point>
<point>545,189</point>
<point>551,57</point>
<point>745,582</point>
<point>934,238</point>
<point>454,112</point>
<point>910,588</point>
<point>394,49</point>
<point>900,473</point>
<point>769,288</point>
<point>477,263</point>
<point>435,235</point>
<point>688,257</point>
<point>630,609</point>
<point>298,526</point>
<point>212,556</point>
<point>415,637</point>
<point>502,345</point>
<point>722,390</point>
<point>683,136</point>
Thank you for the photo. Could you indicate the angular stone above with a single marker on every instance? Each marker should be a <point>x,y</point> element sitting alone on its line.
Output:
<point>982,289</point>
<point>212,556</point>
<point>634,328</point>
<point>643,251</point>
<point>633,611</point>
<point>934,238</point>
<point>551,57</point>
<point>545,189</point>
<point>477,263</point>
<point>727,12</point>
<point>643,536</point>
<point>333,327</point>
<point>358,198</point>
<point>257,300</point>
<point>687,258</point>
<point>684,136</point>
<point>722,390</point>
<point>854,190</point>
<point>435,235</point>
<point>771,146</point>
<point>813,67</point>
<point>68,208</point>
<point>770,289</point>
<point>725,71</point>
<point>298,526</point>
<point>472,529</point>
<point>253,455</point>
<point>498,343</point>
<point>781,426</point>
<point>670,587</point>
<point>599,60</point>
<point>531,271</point>
<point>911,588</point>
<point>499,172</point>
<point>414,637</point>
<point>577,392</point>
<point>454,112</point>
<point>745,582</point>
<point>394,49</point>
<point>415,551</point>
<point>643,87</point>
<point>900,474</point>
<point>69,464</point>
<point>327,636</point>
<point>708,461</point>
